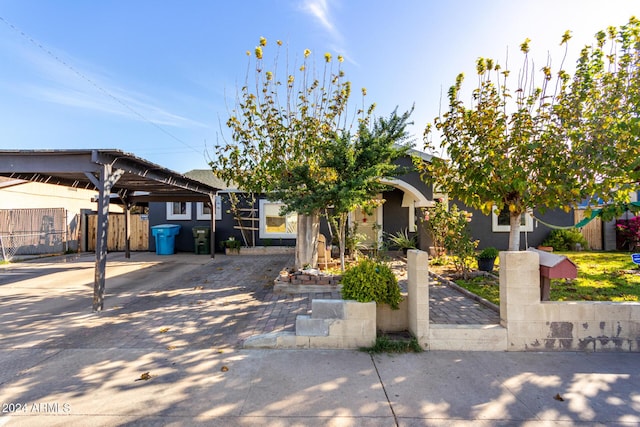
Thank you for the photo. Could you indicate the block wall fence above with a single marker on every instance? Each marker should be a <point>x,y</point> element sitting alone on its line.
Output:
<point>534,325</point>
<point>526,322</point>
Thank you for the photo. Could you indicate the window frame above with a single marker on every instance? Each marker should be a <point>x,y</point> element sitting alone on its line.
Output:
<point>501,228</point>
<point>263,234</point>
<point>200,215</point>
<point>179,217</point>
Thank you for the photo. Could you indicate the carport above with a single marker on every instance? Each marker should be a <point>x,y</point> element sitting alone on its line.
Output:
<point>112,173</point>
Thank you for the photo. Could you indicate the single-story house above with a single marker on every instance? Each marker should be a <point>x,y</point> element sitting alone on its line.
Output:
<point>262,223</point>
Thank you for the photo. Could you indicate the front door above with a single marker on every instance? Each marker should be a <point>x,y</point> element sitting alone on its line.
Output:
<point>369,225</point>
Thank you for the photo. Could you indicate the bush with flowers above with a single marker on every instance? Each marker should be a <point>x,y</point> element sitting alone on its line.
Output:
<point>629,232</point>
<point>449,228</point>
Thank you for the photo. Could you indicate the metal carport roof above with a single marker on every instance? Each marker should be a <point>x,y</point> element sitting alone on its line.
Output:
<point>108,171</point>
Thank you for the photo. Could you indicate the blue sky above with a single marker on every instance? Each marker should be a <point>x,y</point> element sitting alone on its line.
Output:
<point>156,77</point>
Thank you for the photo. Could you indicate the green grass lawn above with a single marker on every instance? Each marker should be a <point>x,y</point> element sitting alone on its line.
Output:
<point>484,287</point>
<point>602,276</point>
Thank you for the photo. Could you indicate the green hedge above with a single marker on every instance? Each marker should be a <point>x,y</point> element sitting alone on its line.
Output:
<point>564,240</point>
<point>371,280</point>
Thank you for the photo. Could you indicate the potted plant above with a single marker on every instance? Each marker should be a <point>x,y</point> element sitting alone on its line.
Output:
<point>402,241</point>
<point>487,259</point>
<point>231,244</point>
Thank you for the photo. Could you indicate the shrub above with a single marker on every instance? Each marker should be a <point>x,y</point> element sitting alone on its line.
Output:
<point>370,280</point>
<point>449,228</point>
<point>232,244</point>
<point>564,240</point>
<point>489,253</point>
<point>401,240</point>
<point>629,231</point>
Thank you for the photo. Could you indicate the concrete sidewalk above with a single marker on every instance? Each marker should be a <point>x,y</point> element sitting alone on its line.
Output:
<point>181,319</point>
<point>98,387</point>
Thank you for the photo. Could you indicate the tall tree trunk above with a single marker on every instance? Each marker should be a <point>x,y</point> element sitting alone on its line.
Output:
<point>514,231</point>
<point>307,240</point>
<point>342,240</point>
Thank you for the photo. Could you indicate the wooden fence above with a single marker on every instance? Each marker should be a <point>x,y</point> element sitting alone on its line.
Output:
<point>116,238</point>
<point>33,231</point>
<point>592,232</point>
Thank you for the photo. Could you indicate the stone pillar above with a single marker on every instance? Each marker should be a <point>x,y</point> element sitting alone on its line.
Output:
<point>418,295</point>
<point>519,295</point>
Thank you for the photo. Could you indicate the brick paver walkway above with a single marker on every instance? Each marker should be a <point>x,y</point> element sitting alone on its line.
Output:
<point>448,306</point>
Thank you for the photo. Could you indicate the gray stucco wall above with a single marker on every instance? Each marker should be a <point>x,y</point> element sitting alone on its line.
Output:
<point>481,228</point>
<point>224,227</point>
<point>413,178</point>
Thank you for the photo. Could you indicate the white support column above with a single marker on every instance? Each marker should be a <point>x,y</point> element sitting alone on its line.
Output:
<point>212,236</point>
<point>412,217</point>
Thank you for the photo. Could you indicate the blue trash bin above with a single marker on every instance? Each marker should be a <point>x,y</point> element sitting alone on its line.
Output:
<point>165,235</point>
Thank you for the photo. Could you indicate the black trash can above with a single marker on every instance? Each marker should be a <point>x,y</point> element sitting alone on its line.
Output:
<point>201,240</point>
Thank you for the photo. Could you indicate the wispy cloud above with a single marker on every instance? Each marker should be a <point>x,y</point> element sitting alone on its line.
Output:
<point>319,9</point>
<point>60,82</point>
<point>322,13</point>
<point>123,105</point>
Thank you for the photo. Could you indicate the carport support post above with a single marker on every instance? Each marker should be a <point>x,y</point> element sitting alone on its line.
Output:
<point>212,236</point>
<point>108,177</point>
<point>127,230</point>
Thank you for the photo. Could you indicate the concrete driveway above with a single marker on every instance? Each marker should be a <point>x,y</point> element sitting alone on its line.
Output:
<point>182,300</point>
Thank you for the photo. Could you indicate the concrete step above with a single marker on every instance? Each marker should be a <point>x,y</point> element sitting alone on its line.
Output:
<point>307,326</point>
<point>327,309</point>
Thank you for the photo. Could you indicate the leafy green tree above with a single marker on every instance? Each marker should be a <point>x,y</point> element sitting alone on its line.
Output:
<point>600,113</point>
<point>279,125</point>
<point>355,164</point>
<point>525,149</point>
<point>291,140</point>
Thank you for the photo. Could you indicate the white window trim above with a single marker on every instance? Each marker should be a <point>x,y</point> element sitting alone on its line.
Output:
<point>499,228</point>
<point>263,223</point>
<point>179,217</point>
<point>200,215</point>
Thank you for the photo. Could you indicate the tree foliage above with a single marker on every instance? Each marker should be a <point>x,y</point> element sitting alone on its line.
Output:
<point>600,115</point>
<point>291,139</point>
<point>549,144</point>
<point>354,165</point>
<point>279,126</point>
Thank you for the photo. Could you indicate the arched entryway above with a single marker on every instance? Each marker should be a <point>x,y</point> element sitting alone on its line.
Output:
<point>372,224</point>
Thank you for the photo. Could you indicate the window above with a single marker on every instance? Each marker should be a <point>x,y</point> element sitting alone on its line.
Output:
<point>203,211</point>
<point>500,222</point>
<point>274,225</point>
<point>179,210</point>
